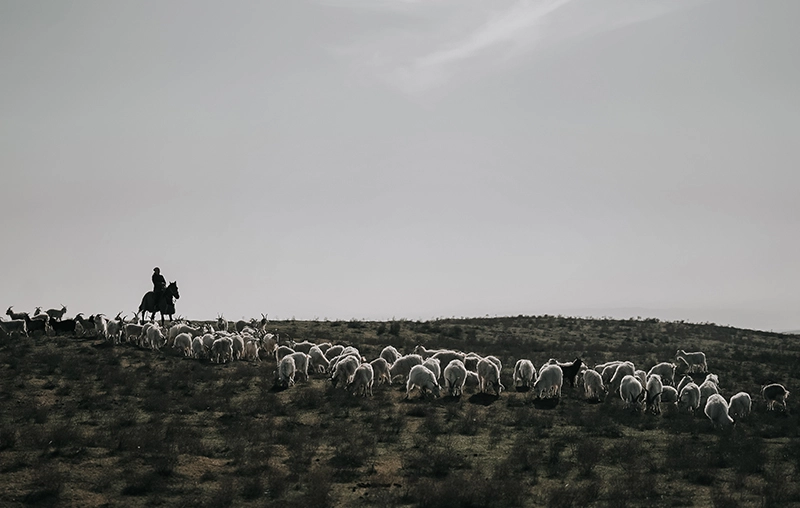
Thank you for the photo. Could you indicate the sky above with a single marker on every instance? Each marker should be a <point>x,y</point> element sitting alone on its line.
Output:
<point>404,159</point>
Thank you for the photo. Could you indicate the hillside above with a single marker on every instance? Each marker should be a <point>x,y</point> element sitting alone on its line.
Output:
<point>90,423</point>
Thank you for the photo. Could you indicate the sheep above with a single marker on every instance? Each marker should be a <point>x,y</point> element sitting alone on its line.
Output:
<point>251,348</point>
<point>445,357</point>
<point>570,370</point>
<point>334,351</point>
<point>283,351</point>
<point>131,331</point>
<point>222,324</point>
<point>455,376</point>
<point>193,331</point>
<point>641,376</point>
<point>183,343</point>
<point>324,347</point>
<point>593,384</point>
<point>208,341</point>
<point>222,350</point>
<point>669,395</point>
<point>689,397</point>
<point>421,377</point>
<point>301,364</point>
<point>549,383</point>
<point>35,327</point>
<point>404,364</point>
<point>269,343</point>
<point>622,370</point>
<point>716,409</point>
<point>363,379</point>
<point>15,316</point>
<point>774,394</point>
<point>303,347</point>
<point>39,316</point>
<point>654,388</point>
<point>318,362</point>
<point>608,372</point>
<point>114,328</point>
<point>665,370</point>
<point>346,352</point>
<point>237,347</point>
<point>695,360</point>
<point>685,380</point>
<point>433,365</point>
<point>524,373</point>
<point>390,354</point>
<point>16,326</point>
<point>489,375</point>
<point>424,352</point>
<point>100,326</point>
<point>740,405</point>
<point>86,325</point>
<point>198,349</point>
<point>495,361</point>
<point>56,314</point>
<point>472,380</point>
<point>380,369</point>
<point>344,371</point>
<point>600,367</point>
<point>286,371</point>
<point>471,362</point>
<point>631,391</point>
<point>155,338</point>
<point>707,389</point>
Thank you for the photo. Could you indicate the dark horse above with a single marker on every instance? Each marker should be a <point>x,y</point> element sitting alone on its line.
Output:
<point>165,305</point>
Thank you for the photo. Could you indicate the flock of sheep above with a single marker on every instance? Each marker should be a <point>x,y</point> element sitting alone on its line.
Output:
<point>426,370</point>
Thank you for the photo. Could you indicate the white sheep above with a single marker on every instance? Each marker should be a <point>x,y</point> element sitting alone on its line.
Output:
<point>455,376</point>
<point>286,371</point>
<point>283,351</point>
<point>131,332</point>
<point>716,409</point>
<point>600,367</point>
<point>669,395</point>
<point>433,365</point>
<point>380,369</point>
<point>363,380</point>
<point>344,371</point>
<point>198,349</point>
<point>222,350</point>
<point>318,362</point>
<point>390,354</point>
<point>549,382</point>
<point>472,380</point>
<point>303,347</point>
<point>740,405</point>
<point>775,394</point>
<point>695,360</point>
<point>237,347</point>
<point>665,370</point>
<point>251,349</point>
<point>183,343</point>
<point>620,371</point>
<point>707,389</point>
<point>689,397</point>
<point>685,380</point>
<point>404,364</point>
<point>334,351</point>
<point>301,364</point>
<point>445,357</point>
<point>422,378</point>
<point>653,389</point>
<point>631,391</point>
<point>155,338</point>
<point>524,373</point>
<point>641,376</point>
<point>489,375</point>
<point>471,361</point>
<point>593,384</point>
<point>424,352</point>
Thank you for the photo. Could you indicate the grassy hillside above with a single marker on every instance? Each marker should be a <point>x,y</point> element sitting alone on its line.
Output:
<point>87,423</point>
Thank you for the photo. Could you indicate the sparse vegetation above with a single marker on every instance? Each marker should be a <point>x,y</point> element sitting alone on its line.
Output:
<point>85,423</point>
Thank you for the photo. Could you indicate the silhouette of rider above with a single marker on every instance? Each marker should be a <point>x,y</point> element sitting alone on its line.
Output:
<point>159,284</point>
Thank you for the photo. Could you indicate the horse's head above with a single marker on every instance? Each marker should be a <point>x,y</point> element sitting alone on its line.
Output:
<point>172,290</point>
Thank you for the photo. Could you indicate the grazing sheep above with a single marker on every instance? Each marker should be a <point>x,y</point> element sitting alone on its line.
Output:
<point>286,371</point>
<point>303,347</point>
<point>251,349</point>
<point>471,361</point>
<point>489,375</point>
<point>524,373</point>
<point>472,380</point>
<point>445,357</point>
<point>716,409</point>
<point>695,360</point>
<point>183,343</point>
<point>707,389</point>
<point>631,391</point>
<point>130,332</point>
<point>654,388</point>
<point>593,384</point>
<point>222,351</point>
<point>269,343</point>
<point>665,370</point>
<point>404,364</point>
<point>669,395</point>
<point>424,352</point>
<point>421,377</point>
<point>363,380</point>
<point>455,376</point>
<point>549,383</point>
<point>433,365</point>
<point>334,351</point>
<point>344,371</point>
<point>198,349</point>
<point>390,354</point>
<point>318,363</point>
<point>641,376</point>
<point>301,364</point>
<point>740,405</point>
<point>282,352</point>
<point>774,394</point>
<point>622,370</point>
<point>237,347</point>
<point>570,370</point>
<point>689,397</point>
<point>685,380</point>
<point>600,367</point>
<point>380,370</point>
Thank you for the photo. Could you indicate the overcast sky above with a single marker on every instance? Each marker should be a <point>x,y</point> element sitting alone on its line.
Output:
<point>414,159</point>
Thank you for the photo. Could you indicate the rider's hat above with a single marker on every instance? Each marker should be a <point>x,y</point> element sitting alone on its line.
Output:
<point>156,269</point>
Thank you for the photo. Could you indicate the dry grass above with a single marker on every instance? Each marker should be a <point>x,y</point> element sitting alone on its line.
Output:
<point>87,424</point>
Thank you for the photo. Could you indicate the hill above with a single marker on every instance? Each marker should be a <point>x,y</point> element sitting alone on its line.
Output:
<point>86,422</point>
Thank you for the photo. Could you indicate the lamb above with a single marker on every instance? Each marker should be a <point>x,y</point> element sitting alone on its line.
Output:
<point>56,314</point>
<point>380,369</point>
<point>739,405</point>
<point>183,343</point>
<point>455,376</point>
<point>774,394</point>
<point>286,371</point>
<point>696,360</point>
<point>390,354</point>
<point>689,397</point>
<point>571,370</point>
<point>524,373</point>
<point>344,371</point>
<point>489,375</point>
<point>593,384</point>
<point>665,370</point>
<point>549,383</point>
<point>716,409</point>
<point>631,391</point>
<point>654,388</point>
<point>318,362</point>
<point>222,351</point>
<point>403,365</point>
<point>422,378</point>
<point>433,365</point>
<point>363,380</point>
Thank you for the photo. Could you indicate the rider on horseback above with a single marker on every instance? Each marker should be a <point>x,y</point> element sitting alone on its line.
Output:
<point>159,283</point>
